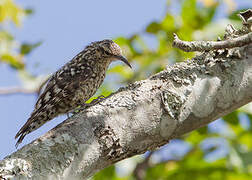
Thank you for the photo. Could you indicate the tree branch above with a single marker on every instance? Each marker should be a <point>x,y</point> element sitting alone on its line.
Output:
<point>21,90</point>
<point>233,38</point>
<point>16,90</point>
<point>143,116</point>
<point>211,45</point>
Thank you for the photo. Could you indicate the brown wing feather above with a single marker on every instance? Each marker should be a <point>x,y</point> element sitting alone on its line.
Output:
<point>38,109</point>
<point>62,84</point>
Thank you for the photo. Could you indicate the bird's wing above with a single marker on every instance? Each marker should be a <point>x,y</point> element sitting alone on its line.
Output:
<point>60,85</point>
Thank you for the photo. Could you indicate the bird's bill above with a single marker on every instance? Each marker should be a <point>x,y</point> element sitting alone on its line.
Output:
<point>123,59</point>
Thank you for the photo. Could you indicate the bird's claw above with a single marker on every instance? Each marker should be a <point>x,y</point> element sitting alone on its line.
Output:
<point>97,100</point>
<point>84,106</point>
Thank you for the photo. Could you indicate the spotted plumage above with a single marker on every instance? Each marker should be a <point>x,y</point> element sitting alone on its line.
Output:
<point>72,84</point>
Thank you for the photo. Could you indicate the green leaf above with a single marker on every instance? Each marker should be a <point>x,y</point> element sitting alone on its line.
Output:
<point>168,23</point>
<point>27,48</point>
<point>234,15</point>
<point>106,174</point>
<point>5,36</point>
<point>121,41</point>
<point>153,28</point>
<point>159,171</point>
<point>13,61</point>
<point>29,11</point>
<point>194,138</point>
<point>125,72</point>
<point>163,43</point>
<point>232,118</point>
<point>11,11</point>
<point>202,130</point>
<point>189,12</point>
<point>246,158</point>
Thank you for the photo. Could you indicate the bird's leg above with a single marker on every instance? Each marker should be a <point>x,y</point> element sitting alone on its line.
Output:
<point>93,102</point>
<point>96,101</point>
<point>84,105</point>
<point>80,107</point>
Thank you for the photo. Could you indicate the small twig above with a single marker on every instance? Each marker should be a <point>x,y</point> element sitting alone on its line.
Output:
<point>22,90</point>
<point>211,45</point>
<point>140,170</point>
<point>17,90</point>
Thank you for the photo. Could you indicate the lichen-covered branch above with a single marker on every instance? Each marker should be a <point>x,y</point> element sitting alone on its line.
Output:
<point>142,116</point>
<point>190,46</point>
<point>232,39</point>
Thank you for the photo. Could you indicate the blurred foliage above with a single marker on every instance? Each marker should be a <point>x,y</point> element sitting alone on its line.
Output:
<point>219,151</point>
<point>149,60</point>
<point>13,52</point>
<point>191,20</point>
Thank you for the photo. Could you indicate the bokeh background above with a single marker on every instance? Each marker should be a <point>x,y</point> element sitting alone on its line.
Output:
<point>38,37</point>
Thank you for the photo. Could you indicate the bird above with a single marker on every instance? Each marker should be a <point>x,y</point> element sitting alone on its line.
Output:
<point>73,84</point>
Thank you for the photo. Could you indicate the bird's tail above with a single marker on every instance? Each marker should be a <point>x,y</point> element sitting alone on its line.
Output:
<point>36,120</point>
<point>33,123</point>
<point>20,139</point>
<point>26,129</point>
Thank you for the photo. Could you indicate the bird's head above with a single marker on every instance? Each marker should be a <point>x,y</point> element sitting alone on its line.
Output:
<point>108,50</point>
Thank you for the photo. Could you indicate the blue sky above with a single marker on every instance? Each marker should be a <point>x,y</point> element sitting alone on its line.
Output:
<point>65,27</point>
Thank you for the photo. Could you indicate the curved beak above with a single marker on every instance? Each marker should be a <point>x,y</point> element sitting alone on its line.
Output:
<point>123,59</point>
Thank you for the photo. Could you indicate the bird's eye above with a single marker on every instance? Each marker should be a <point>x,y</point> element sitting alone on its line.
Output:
<point>106,52</point>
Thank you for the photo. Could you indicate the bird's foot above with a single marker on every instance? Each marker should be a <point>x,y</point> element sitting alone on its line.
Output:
<point>96,101</point>
<point>83,106</point>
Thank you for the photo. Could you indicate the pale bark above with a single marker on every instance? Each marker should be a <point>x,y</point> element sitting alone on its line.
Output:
<point>142,116</point>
